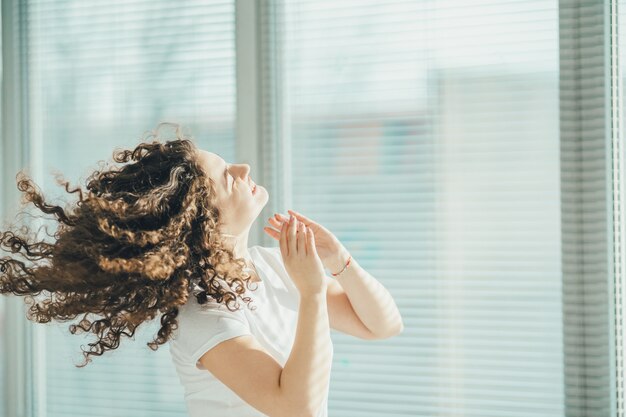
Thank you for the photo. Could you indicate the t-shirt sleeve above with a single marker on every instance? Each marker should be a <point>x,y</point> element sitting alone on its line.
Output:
<point>203,327</point>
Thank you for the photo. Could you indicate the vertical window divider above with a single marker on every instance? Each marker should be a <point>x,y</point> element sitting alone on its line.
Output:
<point>248,87</point>
<point>588,178</point>
<point>616,156</point>
<point>274,130</point>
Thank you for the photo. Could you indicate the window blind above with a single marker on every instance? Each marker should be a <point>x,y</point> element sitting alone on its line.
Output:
<point>99,75</point>
<point>425,135</point>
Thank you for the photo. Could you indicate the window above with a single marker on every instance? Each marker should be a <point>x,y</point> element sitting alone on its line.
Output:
<point>458,149</point>
<point>100,75</point>
<point>426,136</point>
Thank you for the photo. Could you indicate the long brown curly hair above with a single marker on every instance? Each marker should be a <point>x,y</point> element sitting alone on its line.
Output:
<point>144,239</point>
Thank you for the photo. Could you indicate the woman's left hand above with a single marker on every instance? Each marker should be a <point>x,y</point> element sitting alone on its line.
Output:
<point>329,248</point>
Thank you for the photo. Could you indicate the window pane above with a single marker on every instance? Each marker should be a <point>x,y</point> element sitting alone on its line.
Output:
<point>425,134</point>
<point>100,74</point>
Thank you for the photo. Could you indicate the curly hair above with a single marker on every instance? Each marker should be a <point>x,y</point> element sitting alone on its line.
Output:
<point>145,238</point>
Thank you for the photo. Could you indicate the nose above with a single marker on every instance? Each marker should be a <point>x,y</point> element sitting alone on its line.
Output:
<point>246,173</point>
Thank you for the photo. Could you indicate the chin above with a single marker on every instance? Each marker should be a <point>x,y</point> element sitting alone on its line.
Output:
<point>259,189</point>
<point>261,200</point>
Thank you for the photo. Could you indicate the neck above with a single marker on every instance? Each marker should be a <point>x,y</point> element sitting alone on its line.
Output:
<point>239,245</point>
<point>240,250</point>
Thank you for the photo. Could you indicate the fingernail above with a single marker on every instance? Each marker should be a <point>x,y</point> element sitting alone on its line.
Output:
<point>291,218</point>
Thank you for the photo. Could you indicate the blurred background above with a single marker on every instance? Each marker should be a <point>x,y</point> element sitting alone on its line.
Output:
<point>467,152</point>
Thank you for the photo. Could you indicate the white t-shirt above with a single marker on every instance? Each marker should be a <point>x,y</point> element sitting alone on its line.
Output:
<point>273,323</point>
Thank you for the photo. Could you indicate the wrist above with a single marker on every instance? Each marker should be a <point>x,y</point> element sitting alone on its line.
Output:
<point>314,295</point>
<point>339,261</point>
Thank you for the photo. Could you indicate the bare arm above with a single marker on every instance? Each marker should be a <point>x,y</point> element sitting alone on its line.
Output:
<point>306,374</point>
<point>298,389</point>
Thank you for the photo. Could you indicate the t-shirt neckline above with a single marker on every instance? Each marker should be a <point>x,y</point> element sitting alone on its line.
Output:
<point>257,268</point>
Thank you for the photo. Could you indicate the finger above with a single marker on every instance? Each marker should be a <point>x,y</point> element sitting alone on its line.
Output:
<point>284,248</point>
<point>273,233</point>
<point>281,218</point>
<point>301,239</point>
<point>274,222</point>
<point>310,243</point>
<point>292,244</point>
<point>302,218</point>
<point>307,232</point>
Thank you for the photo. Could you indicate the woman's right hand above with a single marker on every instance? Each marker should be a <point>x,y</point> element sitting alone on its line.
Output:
<point>305,268</point>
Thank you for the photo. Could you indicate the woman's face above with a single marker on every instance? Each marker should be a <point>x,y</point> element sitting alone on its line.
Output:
<point>233,185</point>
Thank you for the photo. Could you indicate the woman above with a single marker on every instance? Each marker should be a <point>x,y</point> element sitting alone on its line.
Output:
<point>166,235</point>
